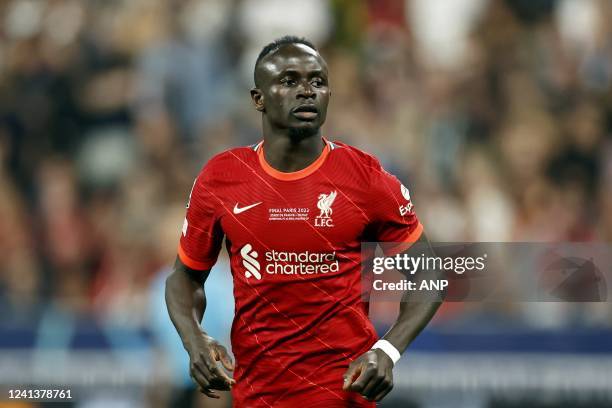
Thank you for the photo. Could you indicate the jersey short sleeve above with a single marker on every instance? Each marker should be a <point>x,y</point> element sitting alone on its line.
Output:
<point>201,235</point>
<point>392,215</point>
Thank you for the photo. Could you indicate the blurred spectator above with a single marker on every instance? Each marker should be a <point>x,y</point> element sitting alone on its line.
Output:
<point>101,106</point>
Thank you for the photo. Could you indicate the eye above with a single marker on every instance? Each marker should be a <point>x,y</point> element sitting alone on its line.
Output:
<point>317,82</point>
<point>287,81</point>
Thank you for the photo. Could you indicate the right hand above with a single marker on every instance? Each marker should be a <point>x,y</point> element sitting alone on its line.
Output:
<point>204,353</point>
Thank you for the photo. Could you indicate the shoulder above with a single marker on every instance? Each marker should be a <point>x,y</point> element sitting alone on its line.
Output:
<point>235,156</point>
<point>365,166</point>
<point>356,156</point>
<point>226,163</point>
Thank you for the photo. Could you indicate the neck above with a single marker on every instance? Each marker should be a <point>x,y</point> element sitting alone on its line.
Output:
<point>287,152</point>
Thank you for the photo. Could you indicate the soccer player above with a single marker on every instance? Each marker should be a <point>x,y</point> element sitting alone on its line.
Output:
<point>294,209</point>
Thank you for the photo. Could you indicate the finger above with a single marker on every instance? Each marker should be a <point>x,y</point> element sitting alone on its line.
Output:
<point>217,378</point>
<point>199,378</point>
<point>373,386</point>
<point>366,374</point>
<point>349,375</point>
<point>222,379</point>
<point>384,392</point>
<point>202,367</point>
<point>225,358</point>
<point>209,393</point>
<point>205,364</point>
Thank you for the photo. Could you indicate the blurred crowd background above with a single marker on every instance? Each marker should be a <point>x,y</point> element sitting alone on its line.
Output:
<point>496,113</point>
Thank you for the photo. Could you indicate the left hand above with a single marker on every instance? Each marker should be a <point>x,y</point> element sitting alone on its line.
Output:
<point>374,372</point>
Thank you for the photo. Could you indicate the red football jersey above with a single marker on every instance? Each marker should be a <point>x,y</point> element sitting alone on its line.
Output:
<point>294,241</point>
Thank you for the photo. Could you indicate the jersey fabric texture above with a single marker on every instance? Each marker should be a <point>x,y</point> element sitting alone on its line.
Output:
<point>294,241</point>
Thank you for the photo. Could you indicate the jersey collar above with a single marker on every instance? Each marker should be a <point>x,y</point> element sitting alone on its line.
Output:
<point>294,175</point>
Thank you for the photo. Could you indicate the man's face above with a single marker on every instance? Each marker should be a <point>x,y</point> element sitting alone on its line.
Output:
<point>293,91</point>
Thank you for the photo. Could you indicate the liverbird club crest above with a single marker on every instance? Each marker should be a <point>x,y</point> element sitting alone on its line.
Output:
<point>324,219</point>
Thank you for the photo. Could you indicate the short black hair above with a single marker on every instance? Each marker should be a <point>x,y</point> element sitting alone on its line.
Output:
<point>276,44</point>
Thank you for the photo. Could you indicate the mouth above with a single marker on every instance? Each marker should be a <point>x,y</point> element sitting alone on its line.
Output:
<point>305,112</point>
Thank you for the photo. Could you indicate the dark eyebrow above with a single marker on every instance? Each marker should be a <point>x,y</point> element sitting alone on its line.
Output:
<point>317,72</point>
<point>293,72</point>
<point>289,72</point>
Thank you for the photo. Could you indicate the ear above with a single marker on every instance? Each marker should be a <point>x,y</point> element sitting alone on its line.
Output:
<point>258,99</point>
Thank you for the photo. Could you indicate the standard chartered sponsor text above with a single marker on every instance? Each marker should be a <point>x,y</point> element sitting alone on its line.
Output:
<point>300,263</point>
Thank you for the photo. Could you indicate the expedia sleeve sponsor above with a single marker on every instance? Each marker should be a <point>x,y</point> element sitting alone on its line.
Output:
<point>391,212</point>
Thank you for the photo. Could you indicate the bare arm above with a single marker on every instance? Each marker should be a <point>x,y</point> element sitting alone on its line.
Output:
<point>415,315</point>
<point>186,302</point>
<point>374,369</point>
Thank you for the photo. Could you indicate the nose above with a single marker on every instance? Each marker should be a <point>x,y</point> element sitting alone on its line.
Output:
<point>305,91</point>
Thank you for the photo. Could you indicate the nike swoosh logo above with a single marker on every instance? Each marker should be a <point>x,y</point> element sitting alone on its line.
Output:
<point>238,210</point>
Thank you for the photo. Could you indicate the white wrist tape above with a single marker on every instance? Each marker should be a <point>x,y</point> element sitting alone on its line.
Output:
<point>389,350</point>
